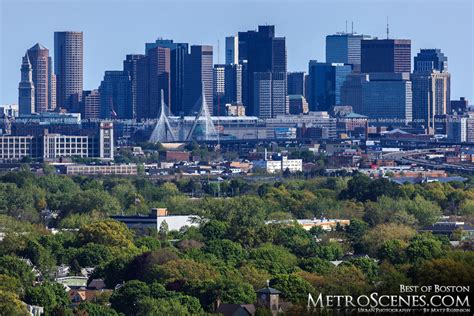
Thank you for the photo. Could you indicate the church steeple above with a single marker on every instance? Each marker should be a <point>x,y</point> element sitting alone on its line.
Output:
<point>26,89</point>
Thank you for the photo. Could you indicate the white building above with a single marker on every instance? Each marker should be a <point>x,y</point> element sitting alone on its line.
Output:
<point>275,166</point>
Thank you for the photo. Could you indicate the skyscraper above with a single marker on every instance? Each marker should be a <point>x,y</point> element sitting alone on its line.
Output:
<point>296,83</point>
<point>91,103</point>
<point>116,95</point>
<point>218,85</point>
<point>431,88</point>
<point>430,59</point>
<point>26,88</point>
<point>264,53</point>
<point>178,53</point>
<point>198,72</point>
<point>40,63</point>
<point>68,68</point>
<point>130,66</point>
<point>233,83</point>
<point>385,55</point>
<point>325,83</point>
<point>232,50</point>
<point>227,85</point>
<point>345,48</point>
<point>387,99</point>
<point>270,94</point>
<point>153,75</point>
<point>351,91</point>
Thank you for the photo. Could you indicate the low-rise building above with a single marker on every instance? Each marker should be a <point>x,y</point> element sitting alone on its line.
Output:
<point>274,166</point>
<point>156,218</point>
<point>120,169</point>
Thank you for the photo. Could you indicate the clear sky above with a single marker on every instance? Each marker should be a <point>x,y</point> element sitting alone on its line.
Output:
<point>114,28</point>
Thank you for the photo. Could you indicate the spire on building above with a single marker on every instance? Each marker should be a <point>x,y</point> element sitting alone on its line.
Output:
<point>26,89</point>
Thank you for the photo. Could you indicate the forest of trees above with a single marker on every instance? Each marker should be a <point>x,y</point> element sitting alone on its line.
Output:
<point>232,252</point>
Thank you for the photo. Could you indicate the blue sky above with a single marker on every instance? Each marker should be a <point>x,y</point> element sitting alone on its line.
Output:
<point>113,29</point>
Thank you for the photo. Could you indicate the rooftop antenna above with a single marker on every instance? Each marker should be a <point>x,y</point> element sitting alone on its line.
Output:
<point>346,26</point>
<point>388,30</point>
<point>352,27</point>
<point>218,52</point>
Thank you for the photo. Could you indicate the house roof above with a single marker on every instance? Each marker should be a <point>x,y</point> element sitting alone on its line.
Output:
<point>230,309</point>
<point>268,290</point>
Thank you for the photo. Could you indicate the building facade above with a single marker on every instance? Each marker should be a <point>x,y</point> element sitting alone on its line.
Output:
<point>91,104</point>
<point>116,95</point>
<point>387,99</point>
<point>263,53</point>
<point>40,64</point>
<point>385,55</point>
<point>153,77</point>
<point>231,50</point>
<point>270,94</point>
<point>26,88</point>
<point>325,83</point>
<point>345,48</point>
<point>431,88</point>
<point>198,78</point>
<point>130,66</point>
<point>68,68</point>
<point>296,83</point>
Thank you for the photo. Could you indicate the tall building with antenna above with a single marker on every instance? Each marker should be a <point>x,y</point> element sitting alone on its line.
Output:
<point>344,47</point>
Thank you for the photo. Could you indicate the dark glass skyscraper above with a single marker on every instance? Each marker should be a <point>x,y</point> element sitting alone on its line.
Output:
<point>68,68</point>
<point>198,72</point>
<point>153,76</point>
<point>345,48</point>
<point>431,88</point>
<point>296,83</point>
<point>325,83</point>
<point>116,95</point>
<point>177,56</point>
<point>264,53</point>
<point>386,55</point>
<point>130,66</point>
<point>430,59</point>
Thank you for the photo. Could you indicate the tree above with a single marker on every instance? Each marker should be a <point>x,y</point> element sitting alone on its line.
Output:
<point>10,304</point>
<point>346,280</point>
<point>108,232</point>
<point>10,284</point>
<point>127,298</point>
<point>378,235</point>
<point>368,266</point>
<point>163,231</point>
<point>316,265</point>
<point>293,287</point>
<point>426,212</point>
<point>444,271</point>
<point>48,295</point>
<point>87,308</point>
<point>226,250</point>
<point>355,232</point>
<point>142,266</point>
<point>151,306</point>
<point>17,268</point>
<point>394,251</point>
<point>214,229</point>
<point>274,259</point>
<point>256,277</point>
<point>185,270</point>
<point>424,247</point>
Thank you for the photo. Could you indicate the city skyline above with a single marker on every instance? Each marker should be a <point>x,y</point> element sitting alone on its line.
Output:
<point>106,48</point>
